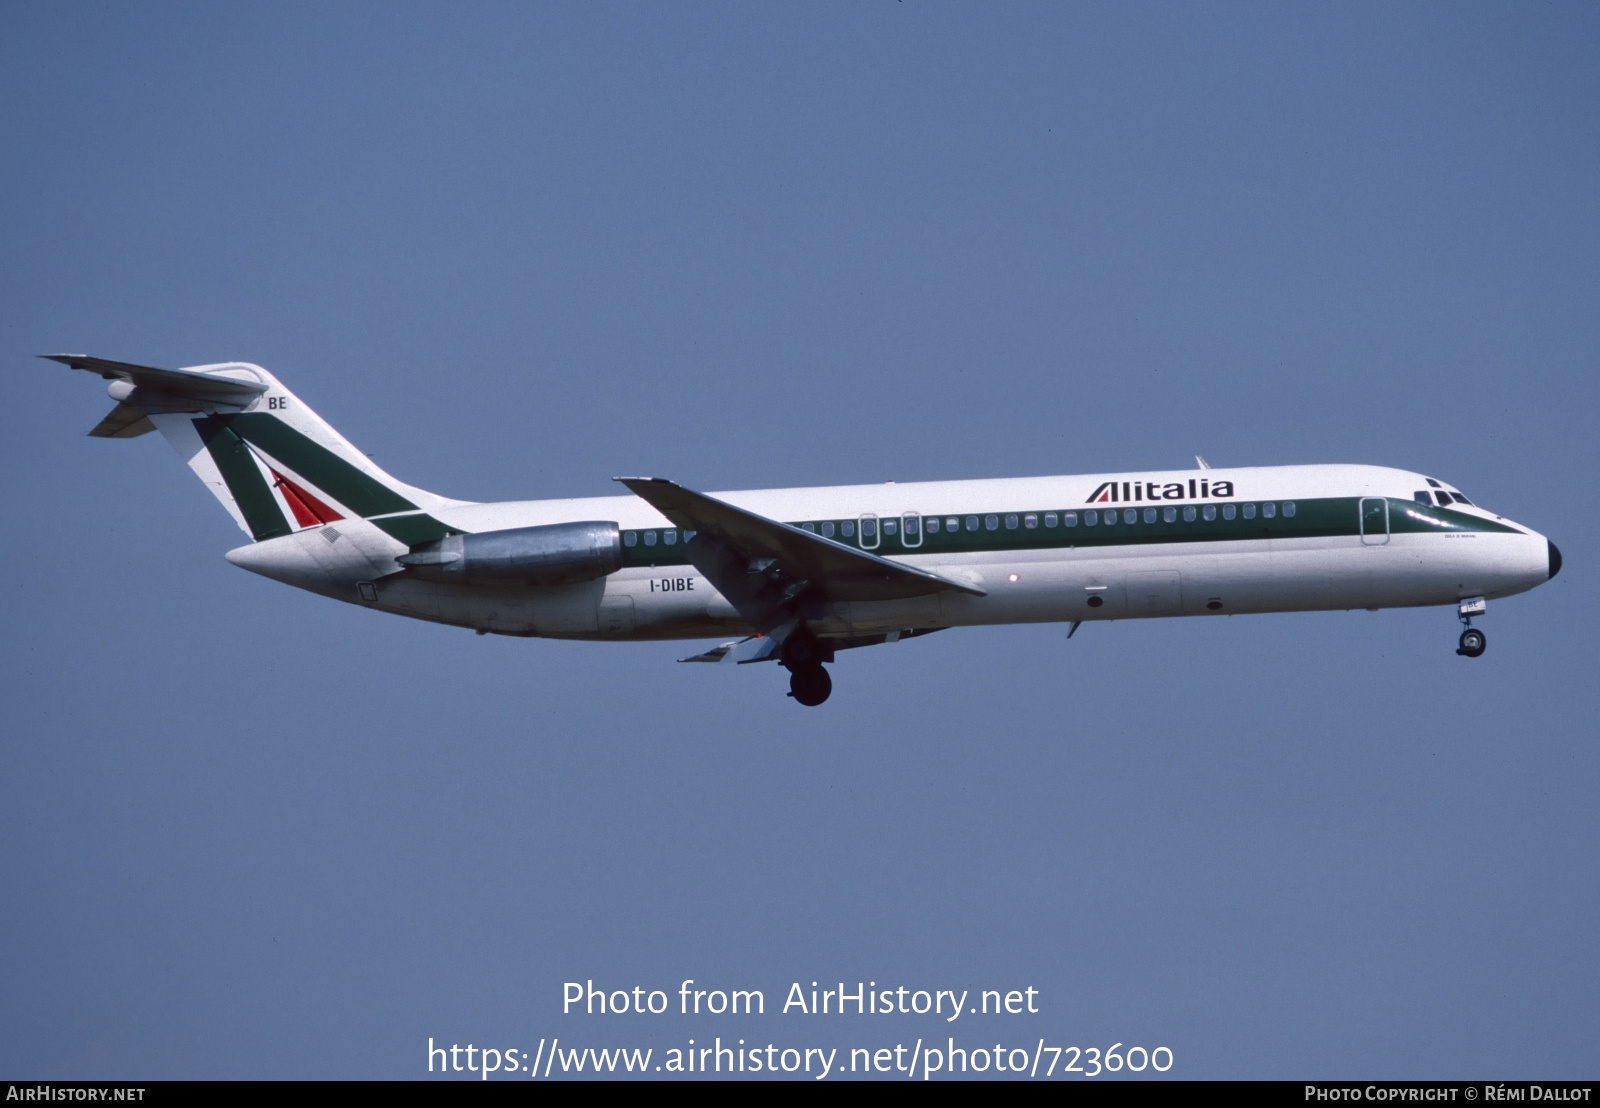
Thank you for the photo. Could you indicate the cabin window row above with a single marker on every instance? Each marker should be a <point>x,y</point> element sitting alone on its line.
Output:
<point>1030,520</point>
<point>1092,517</point>
<point>668,537</point>
<point>933,525</point>
<point>1208,512</point>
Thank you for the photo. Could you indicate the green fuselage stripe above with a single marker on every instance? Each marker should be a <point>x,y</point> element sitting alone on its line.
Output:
<point>415,529</point>
<point>226,438</point>
<point>363,495</point>
<point>244,479</point>
<point>1316,518</point>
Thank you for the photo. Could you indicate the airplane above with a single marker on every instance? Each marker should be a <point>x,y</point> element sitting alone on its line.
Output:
<point>797,575</point>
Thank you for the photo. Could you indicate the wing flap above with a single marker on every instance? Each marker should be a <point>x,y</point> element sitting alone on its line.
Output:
<point>757,648</point>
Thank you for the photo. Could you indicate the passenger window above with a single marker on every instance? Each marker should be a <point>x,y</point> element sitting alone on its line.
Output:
<point>649,538</point>
<point>1249,511</point>
<point>869,528</point>
<point>688,536</point>
<point>1131,515</point>
<point>1288,508</point>
<point>1149,515</point>
<point>952,524</point>
<point>1050,519</point>
<point>827,530</point>
<point>913,525</point>
<point>670,537</point>
<point>1188,515</point>
<point>804,527</point>
<point>1030,521</point>
<point>847,528</point>
<point>1069,519</point>
<point>972,523</point>
<point>1229,511</point>
<point>890,527</point>
<point>1209,512</point>
<point>933,525</point>
<point>991,523</point>
<point>630,538</point>
<point>1011,523</point>
<point>1169,515</point>
<point>1090,518</point>
<point>1269,510</point>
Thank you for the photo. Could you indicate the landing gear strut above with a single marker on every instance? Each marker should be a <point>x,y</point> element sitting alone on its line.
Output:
<point>1473,641</point>
<point>803,656</point>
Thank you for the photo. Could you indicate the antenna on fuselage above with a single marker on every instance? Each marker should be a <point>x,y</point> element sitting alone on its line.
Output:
<point>1201,462</point>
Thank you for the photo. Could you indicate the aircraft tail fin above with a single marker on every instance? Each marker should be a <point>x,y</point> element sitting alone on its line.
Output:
<point>273,463</point>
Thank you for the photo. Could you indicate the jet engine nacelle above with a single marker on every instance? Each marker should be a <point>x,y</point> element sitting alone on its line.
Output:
<point>557,554</point>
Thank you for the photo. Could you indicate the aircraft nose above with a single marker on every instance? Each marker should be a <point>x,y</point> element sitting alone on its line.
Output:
<point>1555,558</point>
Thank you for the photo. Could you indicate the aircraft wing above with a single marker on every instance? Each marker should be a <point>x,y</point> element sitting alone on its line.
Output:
<point>169,383</point>
<point>796,559</point>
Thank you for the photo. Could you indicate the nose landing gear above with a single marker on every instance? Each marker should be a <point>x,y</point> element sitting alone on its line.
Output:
<point>1473,642</point>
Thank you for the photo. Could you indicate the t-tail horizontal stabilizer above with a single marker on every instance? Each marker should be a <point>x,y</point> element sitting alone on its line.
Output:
<point>142,391</point>
<point>123,422</point>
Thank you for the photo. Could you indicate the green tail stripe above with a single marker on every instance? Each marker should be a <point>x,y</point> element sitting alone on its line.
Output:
<point>342,481</point>
<point>415,529</point>
<point>243,476</point>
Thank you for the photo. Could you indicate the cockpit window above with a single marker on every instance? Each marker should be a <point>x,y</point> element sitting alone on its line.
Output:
<point>1463,500</point>
<point>1431,481</point>
<point>1422,496</point>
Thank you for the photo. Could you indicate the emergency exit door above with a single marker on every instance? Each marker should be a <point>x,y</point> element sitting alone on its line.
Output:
<point>1374,520</point>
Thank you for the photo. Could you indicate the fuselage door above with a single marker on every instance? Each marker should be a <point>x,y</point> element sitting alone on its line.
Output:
<point>1374,520</point>
<point>910,529</point>
<point>1155,593</point>
<point>869,531</point>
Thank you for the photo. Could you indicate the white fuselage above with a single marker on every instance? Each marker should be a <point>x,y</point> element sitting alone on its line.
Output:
<point>1324,557</point>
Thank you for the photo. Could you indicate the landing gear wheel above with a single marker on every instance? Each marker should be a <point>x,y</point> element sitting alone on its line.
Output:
<point>810,685</point>
<point>1473,643</point>
<point>802,651</point>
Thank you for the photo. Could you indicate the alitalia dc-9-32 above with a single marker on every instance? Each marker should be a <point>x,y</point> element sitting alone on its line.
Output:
<point>796,575</point>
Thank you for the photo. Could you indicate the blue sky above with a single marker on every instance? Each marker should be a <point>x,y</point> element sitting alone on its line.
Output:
<point>514,250</point>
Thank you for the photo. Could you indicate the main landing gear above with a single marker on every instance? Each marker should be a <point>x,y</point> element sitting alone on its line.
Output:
<point>810,685</point>
<point>803,656</point>
<point>1473,641</point>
